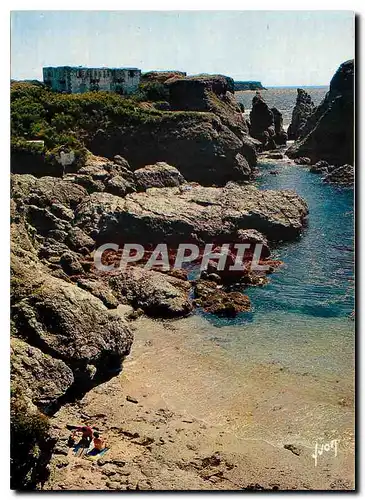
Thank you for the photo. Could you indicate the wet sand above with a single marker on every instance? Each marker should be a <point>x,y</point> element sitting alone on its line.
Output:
<point>201,418</point>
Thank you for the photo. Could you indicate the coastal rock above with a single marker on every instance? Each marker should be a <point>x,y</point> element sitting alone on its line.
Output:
<point>266,125</point>
<point>329,132</point>
<point>159,175</point>
<point>157,294</point>
<point>191,214</point>
<point>161,76</point>
<point>191,93</point>
<point>101,174</point>
<point>280,135</point>
<point>303,108</point>
<point>321,167</point>
<point>100,290</point>
<point>254,237</point>
<point>212,93</point>
<point>343,175</point>
<point>70,264</point>
<point>303,160</point>
<point>46,191</point>
<point>217,301</point>
<point>77,240</point>
<point>274,156</point>
<point>199,145</point>
<point>68,323</point>
<point>262,122</point>
<point>46,378</point>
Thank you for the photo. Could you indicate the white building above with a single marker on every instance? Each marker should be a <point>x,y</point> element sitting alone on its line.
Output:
<point>75,80</point>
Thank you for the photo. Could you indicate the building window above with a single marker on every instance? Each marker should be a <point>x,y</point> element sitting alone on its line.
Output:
<point>132,73</point>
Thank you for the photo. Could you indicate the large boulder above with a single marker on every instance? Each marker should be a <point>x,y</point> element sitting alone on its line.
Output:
<point>159,175</point>
<point>191,214</point>
<point>281,136</point>
<point>266,125</point>
<point>343,175</point>
<point>46,192</point>
<point>46,378</point>
<point>156,293</point>
<point>101,174</point>
<point>66,322</point>
<point>329,131</point>
<point>303,108</point>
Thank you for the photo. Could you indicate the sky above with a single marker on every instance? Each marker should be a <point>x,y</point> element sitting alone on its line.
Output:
<point>274,47</point>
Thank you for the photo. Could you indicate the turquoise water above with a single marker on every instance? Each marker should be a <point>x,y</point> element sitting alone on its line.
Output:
<point>316,280</point>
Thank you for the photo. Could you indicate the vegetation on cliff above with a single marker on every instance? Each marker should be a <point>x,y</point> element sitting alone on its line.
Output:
<point>204,144</point>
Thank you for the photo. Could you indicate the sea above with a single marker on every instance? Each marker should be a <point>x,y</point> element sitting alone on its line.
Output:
<point>284,372</point>
<point>282,98</point>
<point>303,319</point>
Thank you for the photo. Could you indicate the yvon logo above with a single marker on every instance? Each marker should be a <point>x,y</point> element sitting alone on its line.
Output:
<point>320,449</point>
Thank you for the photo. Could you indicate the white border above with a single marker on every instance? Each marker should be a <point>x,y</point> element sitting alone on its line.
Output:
<point>5,8</point>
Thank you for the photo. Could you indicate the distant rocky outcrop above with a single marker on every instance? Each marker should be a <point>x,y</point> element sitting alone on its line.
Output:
<point>249,85</point>
<point>303,108</point>
<point>266,125</point>
<point>329,131</point>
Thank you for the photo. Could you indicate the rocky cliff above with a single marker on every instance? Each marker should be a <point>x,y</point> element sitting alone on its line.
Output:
<point>303,108</point>
<point>249,85</point>
<point>266,125</point>
<point>205,134</point>
<point>71,323</point>
<point>329,131</point>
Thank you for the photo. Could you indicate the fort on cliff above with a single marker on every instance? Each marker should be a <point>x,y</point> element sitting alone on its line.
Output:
<point>76,80</point>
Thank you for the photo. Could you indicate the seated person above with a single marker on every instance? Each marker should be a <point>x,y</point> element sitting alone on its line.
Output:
<point>99,444</point>
<point>87,434</point>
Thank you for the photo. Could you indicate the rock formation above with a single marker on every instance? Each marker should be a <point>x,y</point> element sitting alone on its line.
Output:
<point>159,175</point>
<point>200,145</point>
<point>343,175</point>
<point>211,93</point>
<point>249,85</point>
<point>203,132</point>
<point>191,214</point>
<point>281,136</point>
<point>329,132</point>
<point>157,294</point>
<point>266,125</point>
<point>70,328</point>
<point>161,76</point>
<point>303,108</point>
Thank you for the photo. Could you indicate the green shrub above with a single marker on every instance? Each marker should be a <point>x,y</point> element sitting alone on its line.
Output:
<point>154,91</point>
<point>28,433</point>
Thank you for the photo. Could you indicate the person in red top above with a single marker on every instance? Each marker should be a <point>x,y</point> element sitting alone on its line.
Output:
<point>87,435</point>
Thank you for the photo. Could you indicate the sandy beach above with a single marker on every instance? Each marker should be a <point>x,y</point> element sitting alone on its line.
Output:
<point>183,415</point>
